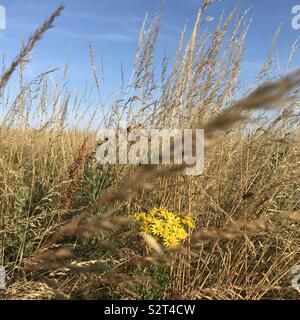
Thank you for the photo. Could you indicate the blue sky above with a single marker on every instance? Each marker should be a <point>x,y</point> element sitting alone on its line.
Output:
<point>113,26</point>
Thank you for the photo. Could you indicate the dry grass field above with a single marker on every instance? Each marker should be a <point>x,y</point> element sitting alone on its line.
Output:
<point>66,223</point>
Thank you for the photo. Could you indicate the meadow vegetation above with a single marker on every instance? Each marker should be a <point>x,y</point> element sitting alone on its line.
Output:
<point>66,224</point>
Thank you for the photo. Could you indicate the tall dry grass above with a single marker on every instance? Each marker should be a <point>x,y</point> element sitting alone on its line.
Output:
<point>66,230</point>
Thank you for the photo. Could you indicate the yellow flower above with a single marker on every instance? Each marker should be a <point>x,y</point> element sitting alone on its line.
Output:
<point>166,226</point>
<point>157,229</point>
<point>139,216</point>
<point>166,214</point>
<point>174,220</point>
<point>187,220</point>
<point>153,212</point>
<point>171,242</point>
<point>182,234</point>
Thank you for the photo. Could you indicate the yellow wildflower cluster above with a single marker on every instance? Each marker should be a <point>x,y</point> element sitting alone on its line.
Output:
<point>167,227</point>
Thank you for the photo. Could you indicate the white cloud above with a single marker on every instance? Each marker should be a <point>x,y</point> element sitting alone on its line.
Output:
<point>101,18</point>
<point>115,37</point>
